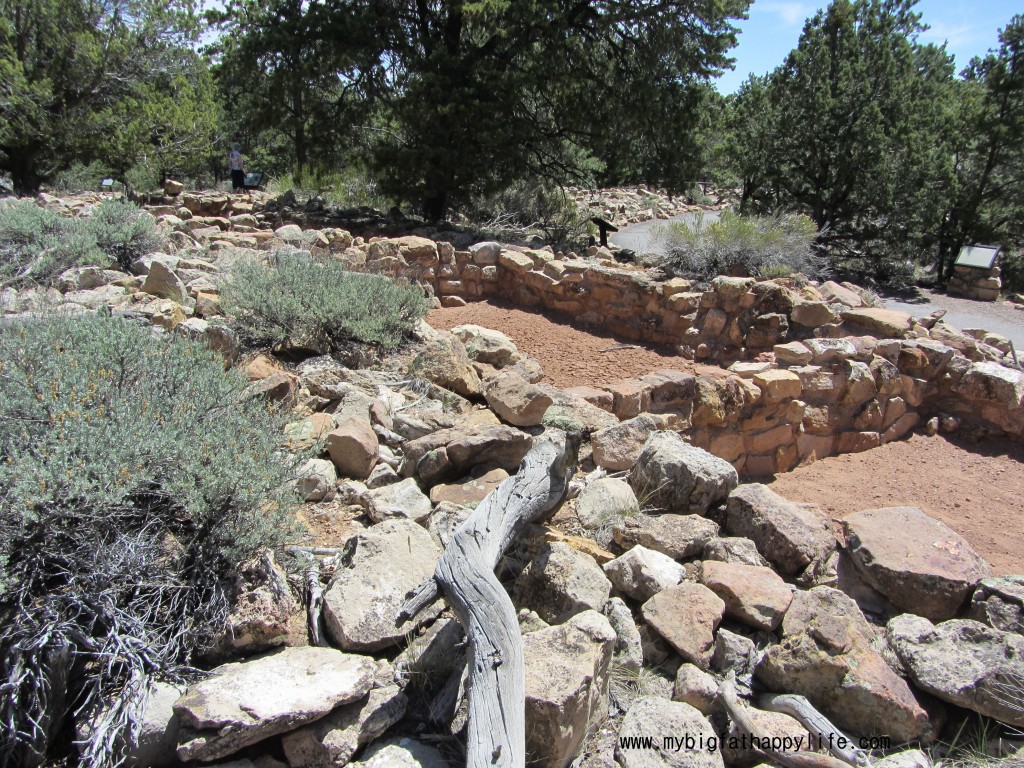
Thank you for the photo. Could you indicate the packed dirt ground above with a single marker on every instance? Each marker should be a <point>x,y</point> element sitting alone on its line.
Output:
<point>569,356</point>
<point>977,489</point>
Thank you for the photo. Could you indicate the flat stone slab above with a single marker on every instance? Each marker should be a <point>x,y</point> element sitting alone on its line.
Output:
<point>921,564</point>
<point>248,701</point>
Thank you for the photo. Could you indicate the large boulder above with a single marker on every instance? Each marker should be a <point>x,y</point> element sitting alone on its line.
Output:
<point>826,654</point>
<point>687,616</point>
<point>486,345</point>
<point>928,569</point>
<point>566,686</point>
<point>672,475</point>
<point>364,597</point>
<point>963,662</point>
<point>678,536</point>
<point>560,582</point>
<point>789,535</point>
<point>658,733</point>
<point>516,400</point>
<point>753,595</point>
<point>642,573</point>
<point>245,702</point>
<point>993,384</point>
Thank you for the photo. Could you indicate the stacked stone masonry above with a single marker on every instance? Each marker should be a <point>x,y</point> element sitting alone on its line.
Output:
<point>813,370</point>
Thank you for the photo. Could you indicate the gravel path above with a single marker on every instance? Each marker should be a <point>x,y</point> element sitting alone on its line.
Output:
<point>641,237</point>
<point>996,316</point>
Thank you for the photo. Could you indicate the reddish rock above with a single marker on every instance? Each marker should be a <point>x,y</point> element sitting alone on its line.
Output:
<point>926,569</point>
<point>754,595</point>
<point>469,491</point>
<point>687,616</point>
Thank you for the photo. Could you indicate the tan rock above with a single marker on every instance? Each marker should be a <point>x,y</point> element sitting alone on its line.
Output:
<point>617,448</point>
<point>353,447</point>
<point>881,323</point>
<point>516,400</point>
<point>778,385</point>
<point>470,491</point>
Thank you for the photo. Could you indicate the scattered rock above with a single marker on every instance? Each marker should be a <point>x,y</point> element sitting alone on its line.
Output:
<point>604,502</point>
<point>694,742</point>
<point>316,480</point>
<point>789,535</point>
<point>928,569</point>
<point>486,345</point>
<point>617,448</point>
<point>353,447</point>
<point>162,281</point>
<point>560,582</point>
<point>333,740</point>
<point>445,362</point>
<point>999,602</point>
<point>404,500</point>
<point>672,475</point>
<point>469,491</point>
<point>245,702</point>
<point>695,687</point>
<point>517,401</point>
<point>678,536</point>
<point>733,549</point>
<point>629,654</point>
<point>401,752</point>
<point>826,655</point>
<point>753,595</point>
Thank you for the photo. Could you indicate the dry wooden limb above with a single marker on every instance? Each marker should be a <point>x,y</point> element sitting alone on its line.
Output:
<point>315,606</point>
<point>801,709</point>
<point>465,573</point>
<point>617,347</point>
<point>738,714</point>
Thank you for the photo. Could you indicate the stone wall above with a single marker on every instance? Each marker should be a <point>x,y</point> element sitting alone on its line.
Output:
<point>815,372</point>
<point>974,283</point>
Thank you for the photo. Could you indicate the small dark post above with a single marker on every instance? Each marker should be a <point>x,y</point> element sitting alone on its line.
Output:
<point>604,227</point>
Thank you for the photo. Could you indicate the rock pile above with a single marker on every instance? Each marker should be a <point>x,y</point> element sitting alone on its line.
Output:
<point>650,588</point>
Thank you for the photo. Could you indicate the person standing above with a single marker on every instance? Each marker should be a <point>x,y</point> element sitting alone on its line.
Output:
<point>237,166</point>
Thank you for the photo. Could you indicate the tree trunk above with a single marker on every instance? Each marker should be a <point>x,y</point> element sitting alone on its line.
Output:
<point>435,205</point>
<point>465,572</point>
<point>24,173</point>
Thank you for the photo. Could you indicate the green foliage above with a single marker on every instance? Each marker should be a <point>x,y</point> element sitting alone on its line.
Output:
<point>123,231</point>
<point>1013,271</point>
<point>740,245</point>
<point>37,244</point>
<point>81,177</point>
<point>455,100</point>
<point>349,187</point>
<point>527,206</point>
<point>302,301</point>
<point>135,479</point>
<point>113,81</point>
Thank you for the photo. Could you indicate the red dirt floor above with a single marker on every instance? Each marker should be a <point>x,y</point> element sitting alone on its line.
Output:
<point>569,356</point>
<point>976,489</point>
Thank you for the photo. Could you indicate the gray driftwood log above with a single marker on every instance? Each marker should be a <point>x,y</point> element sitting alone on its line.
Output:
<point>465,573</point>
<point>800,759</point>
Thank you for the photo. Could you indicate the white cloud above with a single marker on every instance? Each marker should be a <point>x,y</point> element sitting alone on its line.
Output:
<point>790,13</point>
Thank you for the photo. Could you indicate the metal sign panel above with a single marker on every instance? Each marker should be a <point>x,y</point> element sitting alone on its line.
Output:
<point>979,256</point>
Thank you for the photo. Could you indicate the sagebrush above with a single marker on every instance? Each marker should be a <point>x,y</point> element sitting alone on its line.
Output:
<point>530,206</point>
<point>756,246</point>
<point>37,244</point>
<point>302,301</point>
<point>134,478</point>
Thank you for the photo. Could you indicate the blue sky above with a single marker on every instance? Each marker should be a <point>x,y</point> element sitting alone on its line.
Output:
<point>969,27</point>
